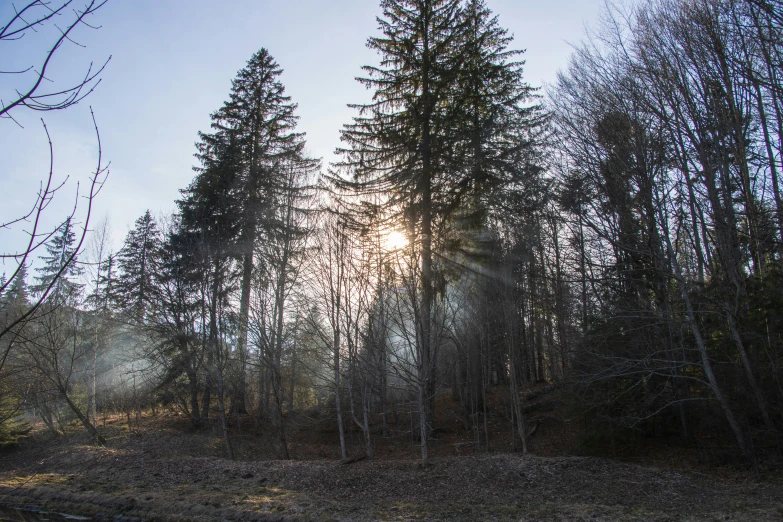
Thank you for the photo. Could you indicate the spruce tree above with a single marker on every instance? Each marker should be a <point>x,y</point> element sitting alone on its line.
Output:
<point>499,124</point>
<point>17,296</point>
<point>137,262</point>
<point>449,129</point>
<point>60,270</point>
<point>401,143</point>
<point>250,152</point>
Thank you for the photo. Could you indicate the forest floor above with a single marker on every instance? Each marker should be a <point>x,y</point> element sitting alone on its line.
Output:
<point>159,470</point>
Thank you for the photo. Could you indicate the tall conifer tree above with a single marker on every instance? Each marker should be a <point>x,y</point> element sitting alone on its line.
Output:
<point>254,139</point>
<point>448,123</point>
<point>400,144</point>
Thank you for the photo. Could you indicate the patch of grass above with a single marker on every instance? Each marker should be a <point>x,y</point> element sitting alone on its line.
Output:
<point>40,479</point>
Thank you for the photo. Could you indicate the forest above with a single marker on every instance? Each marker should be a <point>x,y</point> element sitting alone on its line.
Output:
<point>615,240</point>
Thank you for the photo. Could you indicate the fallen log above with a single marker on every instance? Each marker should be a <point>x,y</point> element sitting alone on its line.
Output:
<point>351,460</point>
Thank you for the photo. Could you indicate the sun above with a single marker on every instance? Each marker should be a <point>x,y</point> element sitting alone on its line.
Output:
<point>395,240</point>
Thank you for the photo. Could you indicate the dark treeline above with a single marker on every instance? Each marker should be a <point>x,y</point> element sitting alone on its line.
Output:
<point>670,143</point>
<point>618,236</point>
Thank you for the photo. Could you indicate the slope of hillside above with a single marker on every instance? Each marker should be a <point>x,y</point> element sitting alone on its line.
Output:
<point>149,477</point>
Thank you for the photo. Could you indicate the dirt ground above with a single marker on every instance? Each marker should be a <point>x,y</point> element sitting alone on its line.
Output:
<point>160,469</point>
<point>176,475</point>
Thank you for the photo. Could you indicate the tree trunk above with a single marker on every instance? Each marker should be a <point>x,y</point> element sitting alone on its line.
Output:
<point>92,409</point>
<point>705,360</point>
<point>195,417</point>
<point>239,404</point>
<point>83,419</point>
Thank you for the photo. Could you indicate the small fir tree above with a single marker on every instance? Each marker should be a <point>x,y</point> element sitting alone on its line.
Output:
<point>60,270</point>
<point>137,263</point>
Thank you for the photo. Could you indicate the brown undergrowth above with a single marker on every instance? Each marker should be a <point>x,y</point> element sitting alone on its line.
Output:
<point>162,470</point>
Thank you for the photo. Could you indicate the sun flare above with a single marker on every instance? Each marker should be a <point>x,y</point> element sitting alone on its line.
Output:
<point>396,240</point>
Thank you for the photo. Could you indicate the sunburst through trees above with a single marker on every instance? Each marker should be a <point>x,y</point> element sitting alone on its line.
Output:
<point>476,243</point>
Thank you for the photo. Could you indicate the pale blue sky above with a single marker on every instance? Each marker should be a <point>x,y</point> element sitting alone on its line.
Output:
<point>172,65</point>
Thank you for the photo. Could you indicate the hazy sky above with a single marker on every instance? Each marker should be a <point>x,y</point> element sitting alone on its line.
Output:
<point>172,65</point>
